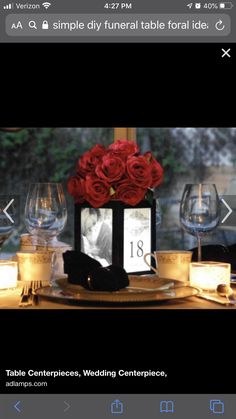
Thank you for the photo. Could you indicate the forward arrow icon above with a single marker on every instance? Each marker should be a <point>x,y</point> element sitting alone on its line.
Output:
<point>229,211</point>
<point>67,406</point>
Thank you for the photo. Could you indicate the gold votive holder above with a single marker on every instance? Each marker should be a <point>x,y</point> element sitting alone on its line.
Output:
<point>208,275</point>
<point>35,265</point>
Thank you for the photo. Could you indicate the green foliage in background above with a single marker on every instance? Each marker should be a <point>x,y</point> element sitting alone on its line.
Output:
<point>44,154</point>
<point>167,151</point>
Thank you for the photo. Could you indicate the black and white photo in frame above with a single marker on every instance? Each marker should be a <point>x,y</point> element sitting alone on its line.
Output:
<point>96,234</point>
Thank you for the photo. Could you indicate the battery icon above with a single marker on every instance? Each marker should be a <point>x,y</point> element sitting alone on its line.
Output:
<point>226,5</point>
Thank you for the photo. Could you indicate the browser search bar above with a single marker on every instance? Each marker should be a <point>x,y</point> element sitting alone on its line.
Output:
<point>118,25</point>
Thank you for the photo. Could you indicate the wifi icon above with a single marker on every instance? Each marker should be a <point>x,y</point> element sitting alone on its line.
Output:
<point>46,5</point>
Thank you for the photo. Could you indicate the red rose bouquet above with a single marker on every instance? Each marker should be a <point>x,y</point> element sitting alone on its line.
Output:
<point>119,172</point>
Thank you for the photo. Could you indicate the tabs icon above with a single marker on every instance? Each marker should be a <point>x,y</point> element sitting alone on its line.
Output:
<point>217,407</point>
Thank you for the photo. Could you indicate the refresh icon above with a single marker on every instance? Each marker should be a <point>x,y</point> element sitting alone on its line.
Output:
<point>220,25</point>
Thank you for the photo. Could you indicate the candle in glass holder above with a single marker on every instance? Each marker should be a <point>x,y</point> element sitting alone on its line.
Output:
<point>208,275</point>
<point>8,274</point>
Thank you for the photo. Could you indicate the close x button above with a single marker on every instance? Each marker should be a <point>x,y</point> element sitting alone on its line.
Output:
<point>225,52</point>
<point>9,210</point>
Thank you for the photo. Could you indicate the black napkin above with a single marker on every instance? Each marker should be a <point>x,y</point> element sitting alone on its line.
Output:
<point>218,253</point>
<point>110,278</point>
<point>213,252</point>
<point>78,266</point>
<point>89,273</point>
<point>232,253</point>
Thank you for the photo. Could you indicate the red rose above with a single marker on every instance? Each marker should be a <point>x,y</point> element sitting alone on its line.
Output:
<point>97,191</point>
<point>129,193</point>
<point>111,168</point>
<point>89,160</point>
<point>76,188</point>
<point>156,170</point>
<point>139,171</point>
<point>123,148</point>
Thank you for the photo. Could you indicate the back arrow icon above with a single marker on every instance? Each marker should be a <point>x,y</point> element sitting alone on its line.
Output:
<point>228,207</point>
<point>6,213</point>
<point>16,406</point>
<point>67,406</point>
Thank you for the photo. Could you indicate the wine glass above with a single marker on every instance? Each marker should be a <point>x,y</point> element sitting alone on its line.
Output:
<point>6,225</point>
<point>200,210</point>
<point>45,210</point>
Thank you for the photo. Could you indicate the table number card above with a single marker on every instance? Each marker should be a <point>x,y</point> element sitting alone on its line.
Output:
<point>137,238</point>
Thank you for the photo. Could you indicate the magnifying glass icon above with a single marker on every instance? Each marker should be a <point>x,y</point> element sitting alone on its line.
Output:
<point>32,24</point>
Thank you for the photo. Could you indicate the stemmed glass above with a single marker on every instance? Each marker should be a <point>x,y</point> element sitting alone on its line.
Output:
<point>45,210</point>
<point>200,210</point>
<point>6,225</point>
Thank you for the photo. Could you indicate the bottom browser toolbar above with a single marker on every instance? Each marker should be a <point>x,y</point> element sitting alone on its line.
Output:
<point>132,406</point>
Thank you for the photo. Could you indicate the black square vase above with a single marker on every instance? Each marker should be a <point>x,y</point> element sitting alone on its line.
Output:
<point>117,233</point>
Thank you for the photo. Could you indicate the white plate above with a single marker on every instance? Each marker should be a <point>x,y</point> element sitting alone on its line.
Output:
<point>142,289</point>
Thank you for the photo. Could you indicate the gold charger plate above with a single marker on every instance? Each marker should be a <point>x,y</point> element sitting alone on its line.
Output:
<point>147,288</point>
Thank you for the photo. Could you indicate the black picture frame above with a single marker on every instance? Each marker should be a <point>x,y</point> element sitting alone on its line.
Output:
<point>117,208</point>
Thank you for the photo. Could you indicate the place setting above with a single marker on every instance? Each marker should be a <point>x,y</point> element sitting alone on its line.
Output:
<point>88,282</point>
<point>114,260</point>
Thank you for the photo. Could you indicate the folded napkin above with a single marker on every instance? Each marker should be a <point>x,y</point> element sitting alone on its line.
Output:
<point>89,273</point>
<point>110,278</point>
<point>213,252</point>
<point>232,253</point>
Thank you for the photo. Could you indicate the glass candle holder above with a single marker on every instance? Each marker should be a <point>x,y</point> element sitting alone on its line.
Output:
<point>208,275</point>
<point>8,274</point>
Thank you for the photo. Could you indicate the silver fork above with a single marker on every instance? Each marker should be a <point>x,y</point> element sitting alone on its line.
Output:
<point>34,286</point>
<point>25,296</point>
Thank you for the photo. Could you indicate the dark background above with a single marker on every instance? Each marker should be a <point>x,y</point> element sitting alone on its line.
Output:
<point>194,347</point>
<point>117,85</point>
<point>120,85</point>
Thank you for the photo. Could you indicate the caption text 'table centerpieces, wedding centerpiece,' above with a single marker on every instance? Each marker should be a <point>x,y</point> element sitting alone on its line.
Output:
<point>119,172</point>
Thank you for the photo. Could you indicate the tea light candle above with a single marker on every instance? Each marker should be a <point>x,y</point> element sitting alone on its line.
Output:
<point>8,274</point>
<point>208,275</point>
